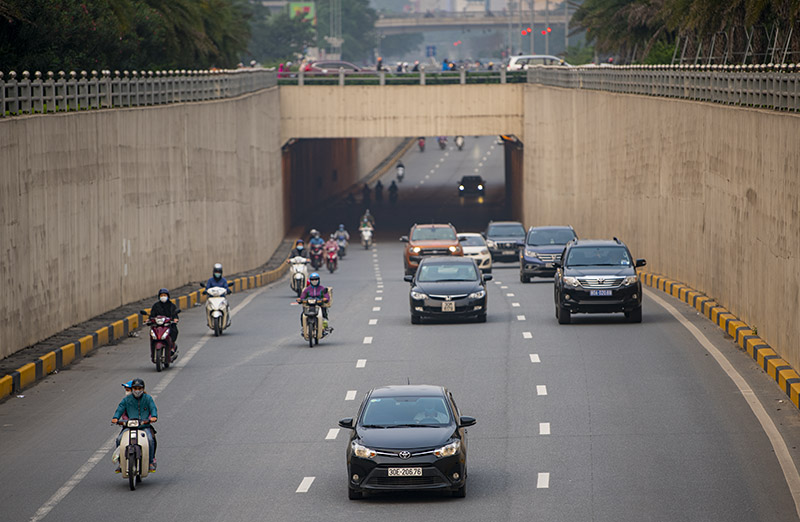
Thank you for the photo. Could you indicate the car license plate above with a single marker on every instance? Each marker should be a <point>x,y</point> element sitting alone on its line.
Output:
<point>548,265</point>
<point>601,292</point>
<point>405,472</point>
<point>449,306</point>
<point>509,252</point>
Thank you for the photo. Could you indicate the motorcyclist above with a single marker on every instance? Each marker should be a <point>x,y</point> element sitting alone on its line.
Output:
<point>368,219</point>
<point>366,194</point>
<point>140,406</point>
<point>315,289</point>
<point>315,238</point>
<point>341,233</point>
<point>216,279</point>
<point>331,245</point>
<point>401,170</point>
<point>299,249</point>
<point>393,192</point>
<point>379,191</point>
<point>169,309</point>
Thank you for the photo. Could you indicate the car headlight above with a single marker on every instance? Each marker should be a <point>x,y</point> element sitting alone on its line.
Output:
<point>571,281</point>
<point>418,296</point>
<point>416,250</point>
<point>477,295</point>
<point>490,243</point>
<point>531,253</point>
<point>484,251</point>
<point>363,451</point>
<point>452,248</point>
<point>449,450</point>
<point>630,280</point>
<point>480,187</point>
<point>461,187</point>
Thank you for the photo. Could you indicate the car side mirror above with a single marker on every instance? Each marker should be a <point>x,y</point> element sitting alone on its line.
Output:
<point>487,277</point>
<point>408,278</point>
<point>641,262</point>
<point>556,264</point>
<point>346,423</point>
<point>404,239</point>
<point>464,421</point>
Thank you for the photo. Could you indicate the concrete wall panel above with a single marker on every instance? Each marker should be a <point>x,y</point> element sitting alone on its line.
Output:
<point>102,208</point>
<point>708,194</point>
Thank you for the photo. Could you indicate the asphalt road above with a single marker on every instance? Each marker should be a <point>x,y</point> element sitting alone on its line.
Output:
<point>598,420</point>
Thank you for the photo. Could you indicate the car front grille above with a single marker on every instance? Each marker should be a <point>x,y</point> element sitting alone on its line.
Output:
<point>445,297</point>
<point>434,252</point>
<point>549,258</point>
<point>404,481</point>
<point>600,282</point>
<point>507,246</point>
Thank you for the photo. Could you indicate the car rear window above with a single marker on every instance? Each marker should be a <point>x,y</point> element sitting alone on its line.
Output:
<point>433,272</point>
<point>507,230</point>
<point>598,256</point>
<point>386,412</point>
<point>437,233</point>
<point>550,237</point>
<point>473,241</point>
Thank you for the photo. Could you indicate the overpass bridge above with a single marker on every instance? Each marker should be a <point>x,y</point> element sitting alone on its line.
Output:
<point>390,25</point>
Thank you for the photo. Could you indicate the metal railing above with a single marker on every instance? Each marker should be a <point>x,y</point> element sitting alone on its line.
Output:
<point>762,86</point>
<point>107,90</point>
<point>423,77</point>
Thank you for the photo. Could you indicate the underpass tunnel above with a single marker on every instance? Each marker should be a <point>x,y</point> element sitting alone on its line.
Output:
<point>320,174</point>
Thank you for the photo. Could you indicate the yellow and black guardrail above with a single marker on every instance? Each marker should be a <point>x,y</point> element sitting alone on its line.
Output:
<point>61,357</point>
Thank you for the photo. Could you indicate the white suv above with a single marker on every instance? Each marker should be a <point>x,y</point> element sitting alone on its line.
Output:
<point>518,63</point>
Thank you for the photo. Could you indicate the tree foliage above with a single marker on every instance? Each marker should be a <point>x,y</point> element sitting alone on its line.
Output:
<point>278,38</point>
<point>358,28</point>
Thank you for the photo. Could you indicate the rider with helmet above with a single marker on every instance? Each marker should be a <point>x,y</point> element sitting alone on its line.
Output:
<point>299,249</point>
<point>166,308</point>
<point>315,289</point>
<point>140,406</point>
<point>367,220</point>
<point>316,239</point>
<point>216,279</point>
<point>341,233</point>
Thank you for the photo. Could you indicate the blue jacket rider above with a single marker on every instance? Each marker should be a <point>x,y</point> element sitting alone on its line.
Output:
<point>140,406</point>
<point>316,239</point>
<point>217,280</point>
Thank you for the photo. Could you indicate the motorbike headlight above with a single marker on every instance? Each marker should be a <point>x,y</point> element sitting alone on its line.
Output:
<point>448,450</point>
<point>630,280</point>
<point>363,451</point>
<point>418,296</point>
<point>416,250</point>
<point>571,281</point>
<point>452,248</point>
<point>478,295</point>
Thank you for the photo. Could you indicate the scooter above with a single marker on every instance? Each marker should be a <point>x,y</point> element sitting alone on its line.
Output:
<point>332,260</point>
<point>401,173</point>
<point>316,256</point>
<point>162,349</point>
<point>366,237</point>
<point>460,142</point>
<point>442,142</point>
<point>313,327</point>
<point>342,242</point>
<point>421,144</point>
<point>298,273</point>
<point>217,310</point>
<point>134,454</point>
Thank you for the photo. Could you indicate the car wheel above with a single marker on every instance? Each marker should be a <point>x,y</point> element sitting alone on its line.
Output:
<point>523,278</point>
<point>352,494</point>
<point>461,492</point>
<point>564,315</point>
<point>635,315</point>
<point>415,319</point>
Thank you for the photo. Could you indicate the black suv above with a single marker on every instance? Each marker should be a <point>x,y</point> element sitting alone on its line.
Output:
<point>597,276</point>
<point>471,185</point>
<point>505,239</point>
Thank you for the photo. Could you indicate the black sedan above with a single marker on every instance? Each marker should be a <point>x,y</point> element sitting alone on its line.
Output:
<point>471,185</point>
<point>407,438</point>
<point>445,287</point>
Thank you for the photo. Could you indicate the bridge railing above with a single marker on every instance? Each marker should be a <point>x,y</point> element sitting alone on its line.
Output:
<point>106,90</point>
<point>763,86</point>
<point>432,77</point>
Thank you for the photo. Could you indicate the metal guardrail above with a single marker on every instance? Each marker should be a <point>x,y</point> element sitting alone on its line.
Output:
<point>423,77</point>
<point>104,90</point>
<point>762,86</point>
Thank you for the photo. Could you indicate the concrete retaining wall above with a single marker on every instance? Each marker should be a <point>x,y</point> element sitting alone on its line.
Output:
<point>709,194</point>
<point>103,208</point>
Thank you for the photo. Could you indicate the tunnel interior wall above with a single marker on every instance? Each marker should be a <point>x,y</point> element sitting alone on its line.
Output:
<point>708,194</point>
<point>103,208</point>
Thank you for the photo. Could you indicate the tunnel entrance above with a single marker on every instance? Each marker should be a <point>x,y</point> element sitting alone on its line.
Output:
<point>316,170</point>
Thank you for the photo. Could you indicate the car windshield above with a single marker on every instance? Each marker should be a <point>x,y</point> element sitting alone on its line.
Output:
<point>472,241</point>
<point>430,273</point>
<point>471,180</point>
<point>550,237</point>
<point>433,233</point>
<point>598,256</point>
<point>507,230</point>
<point>394,412</point>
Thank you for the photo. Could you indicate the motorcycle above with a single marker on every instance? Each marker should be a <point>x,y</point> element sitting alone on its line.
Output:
<point>332,260</point>
<point>313,327</point>
<point>421,144</point>
<point>442,142</point>
<point>217,310</point>
<point>460,142</point>
<point>298,273</point>
<point>401,173</point>
<point>392,196</point>
<point>134,454</point>
<point>316,256</point>
<point>162,348</point>
<point>342,242</point>
<point>366,237</point>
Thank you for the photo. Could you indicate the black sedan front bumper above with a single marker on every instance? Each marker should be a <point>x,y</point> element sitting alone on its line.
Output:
<point>581,300</point>
<point>437,473</point>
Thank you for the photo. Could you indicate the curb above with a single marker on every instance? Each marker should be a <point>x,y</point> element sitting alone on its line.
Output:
<point>59,358</point>
<point>745,336</point>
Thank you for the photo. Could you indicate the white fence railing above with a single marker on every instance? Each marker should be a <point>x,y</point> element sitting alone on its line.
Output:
<point>107,90</point>
<point>764,86</point>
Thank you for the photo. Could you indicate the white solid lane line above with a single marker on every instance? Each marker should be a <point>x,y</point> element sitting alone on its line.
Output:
<point>305,485</point>
<point>332,434</point>
<point>361,363</point>
<point>541,389</point>
<point>543,481</point>
<point>376,308</point>
<point>367,340</point>
<point>520,318</point>
<point>373,322</point>
<point>535,358</point>
<point>527,335</point>
<point>544,428</point>
<point>778,444</point>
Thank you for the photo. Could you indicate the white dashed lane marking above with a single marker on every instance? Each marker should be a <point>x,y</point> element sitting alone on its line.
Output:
<point>332,434</point>
<point>368,340</point>
<point>544,428</point>
<point>378,291</point>
<point>527,335</point>
<point>376,308</point>
<point>543,481</point>
<point>535,358</point>
<point>504,287</point>
<point>510,295</point>
<point>305,485</point>
<point>373,322</point>
<point>498,283</point>
<point>541,389</point>
<point>520,318</point>
<point>379,298</point>
<point>361,363</point>
<point>515,305</point>
<point>350,395</point>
